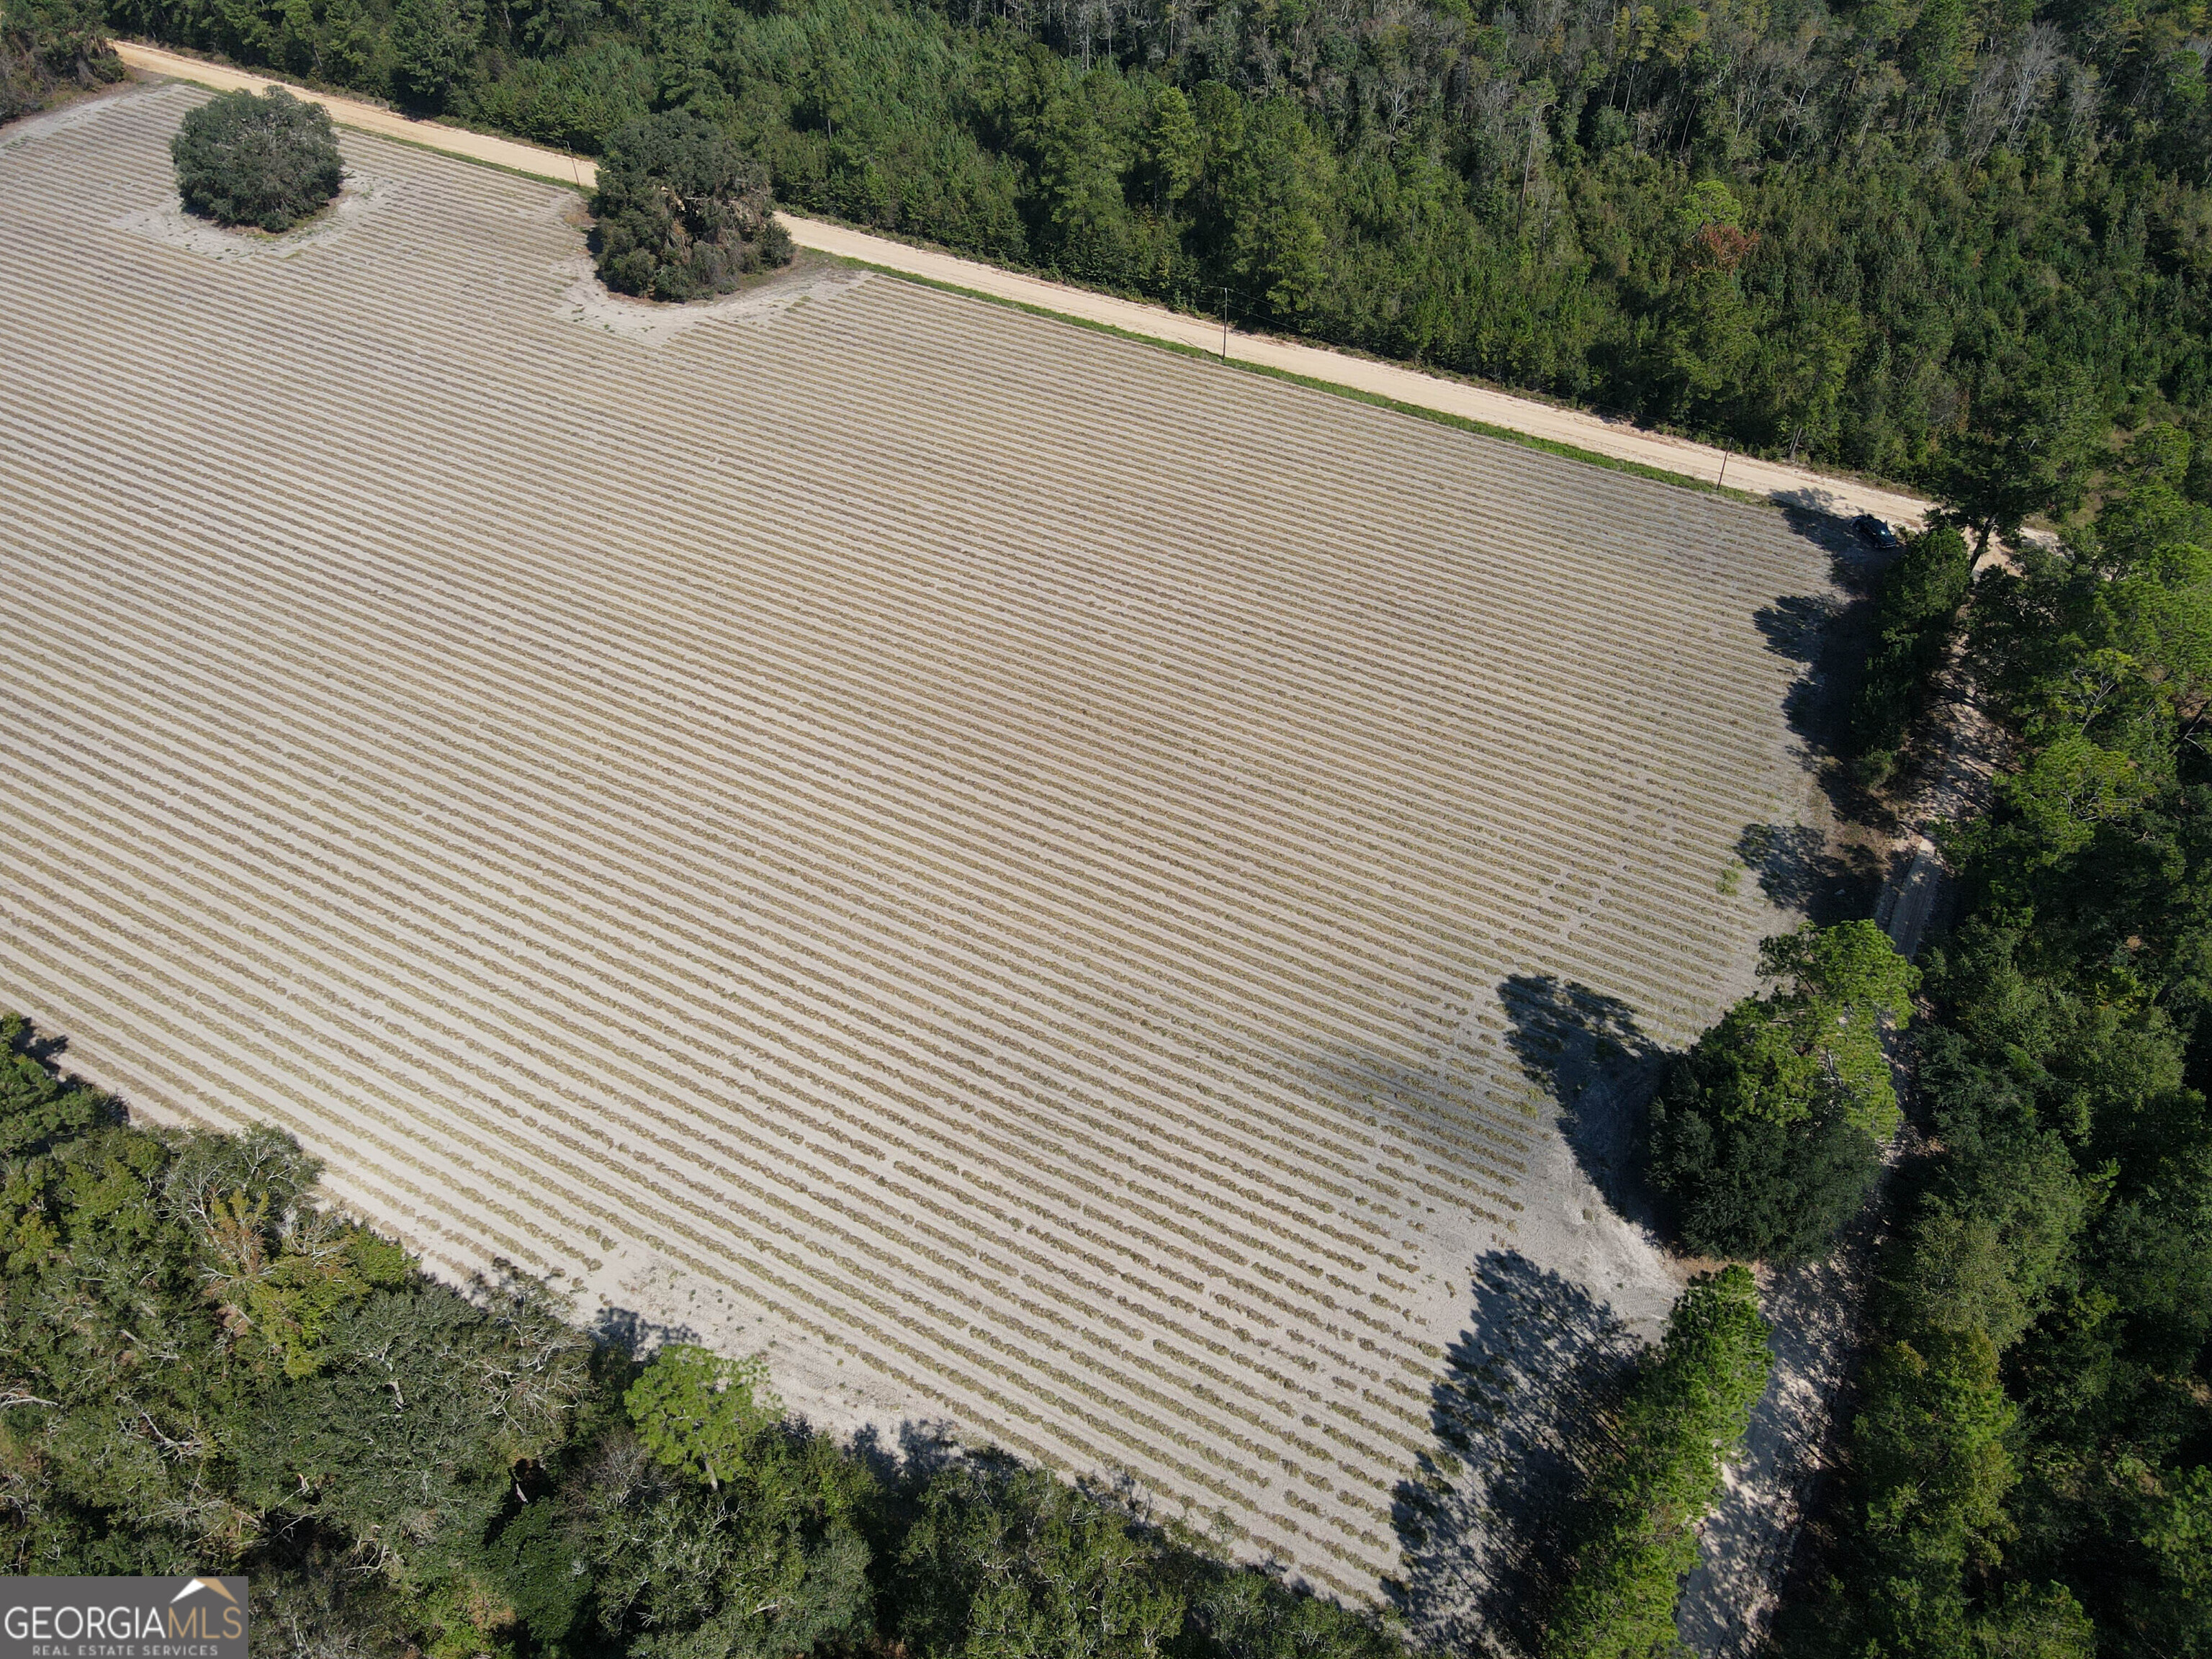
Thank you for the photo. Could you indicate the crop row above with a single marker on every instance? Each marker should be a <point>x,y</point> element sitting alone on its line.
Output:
<point>997,851</point>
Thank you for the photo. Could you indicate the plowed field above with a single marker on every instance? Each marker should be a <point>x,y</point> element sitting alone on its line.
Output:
<point>975,856</point>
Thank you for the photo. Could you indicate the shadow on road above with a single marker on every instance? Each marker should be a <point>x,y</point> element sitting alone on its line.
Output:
<point>1526,1390</point>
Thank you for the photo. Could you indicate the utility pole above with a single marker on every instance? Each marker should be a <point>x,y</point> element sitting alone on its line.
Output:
<point>1725,453</point>
<point>1224,323</point>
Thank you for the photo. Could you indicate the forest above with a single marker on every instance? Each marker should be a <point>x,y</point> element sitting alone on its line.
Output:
<point>1847,231</point>
<point>2027,1472</point>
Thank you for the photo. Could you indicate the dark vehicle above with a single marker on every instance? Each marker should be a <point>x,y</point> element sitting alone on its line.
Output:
<point>1876,533</point>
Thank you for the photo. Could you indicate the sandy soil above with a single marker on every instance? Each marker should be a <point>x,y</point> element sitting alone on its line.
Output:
<point>1790,486</point>
<point>1060,893</point>
<point>170,223</point>
<point>588,300</point>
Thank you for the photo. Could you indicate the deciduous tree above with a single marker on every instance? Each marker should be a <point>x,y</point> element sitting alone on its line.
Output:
<point>267,160</point>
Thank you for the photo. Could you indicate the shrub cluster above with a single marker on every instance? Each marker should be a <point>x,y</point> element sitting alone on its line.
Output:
<point>269,161</point>
<point>682,212</point>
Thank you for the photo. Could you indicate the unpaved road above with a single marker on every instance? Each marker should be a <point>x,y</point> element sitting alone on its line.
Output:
<point>1792,486</point>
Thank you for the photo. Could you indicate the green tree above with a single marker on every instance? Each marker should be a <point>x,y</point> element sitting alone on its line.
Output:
<point>2030,449</point>
<point>268,161</point>
<point>682,212</point>
<point>1078,181</point>
<point>1764,1135</point>
<point>1931,53</point>
<point>826,90</point>
<point>771,1565</point>
<point>409,1432</point>
<point>1810,372</point>
<point>2173,1526</point>
<point>698,1411</point>
<point>432,44</point>
<point>1929,1456</point>
<point>2041,1621</point>
<point>350,40</point>
<point>1171,147</point>
<point>1683,1419</point>
<point>1005,1563</point>
<point>1818,1033</point>
<point>1276,238</point>
<point>37,1106</point>
<point>1916,623</point>
<point>59,40</point>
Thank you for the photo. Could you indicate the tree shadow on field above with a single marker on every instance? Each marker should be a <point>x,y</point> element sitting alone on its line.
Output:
<point>1586,1051</point>
<point>1797,869</point>
<point>1792,625</point>
<point>1830,634</point>
<point>636,1334</point>
<point>922,1450</point>
<point>1527,1390</point>
<point>1853,565</point>
<point>1363,1084</point>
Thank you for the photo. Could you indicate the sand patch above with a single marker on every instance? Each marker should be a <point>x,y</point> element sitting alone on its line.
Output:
<point>590,302</point>
<point>361,193</point>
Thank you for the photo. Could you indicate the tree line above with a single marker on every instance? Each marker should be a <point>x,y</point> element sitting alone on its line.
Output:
<point>2029,1470</point>
<point>49,48</point>
<point>1852,231</point>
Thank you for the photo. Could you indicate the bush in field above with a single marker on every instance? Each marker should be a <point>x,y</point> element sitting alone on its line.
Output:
<point>1765,1135</point>
<point>269,161</point>
<point>45,43</point>
<point>682,213</point>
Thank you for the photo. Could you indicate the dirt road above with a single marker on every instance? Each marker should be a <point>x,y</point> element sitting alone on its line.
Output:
<point>1792,486</point>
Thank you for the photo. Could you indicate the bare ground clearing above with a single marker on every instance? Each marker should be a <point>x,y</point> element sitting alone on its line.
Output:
<point>1060,892</point>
